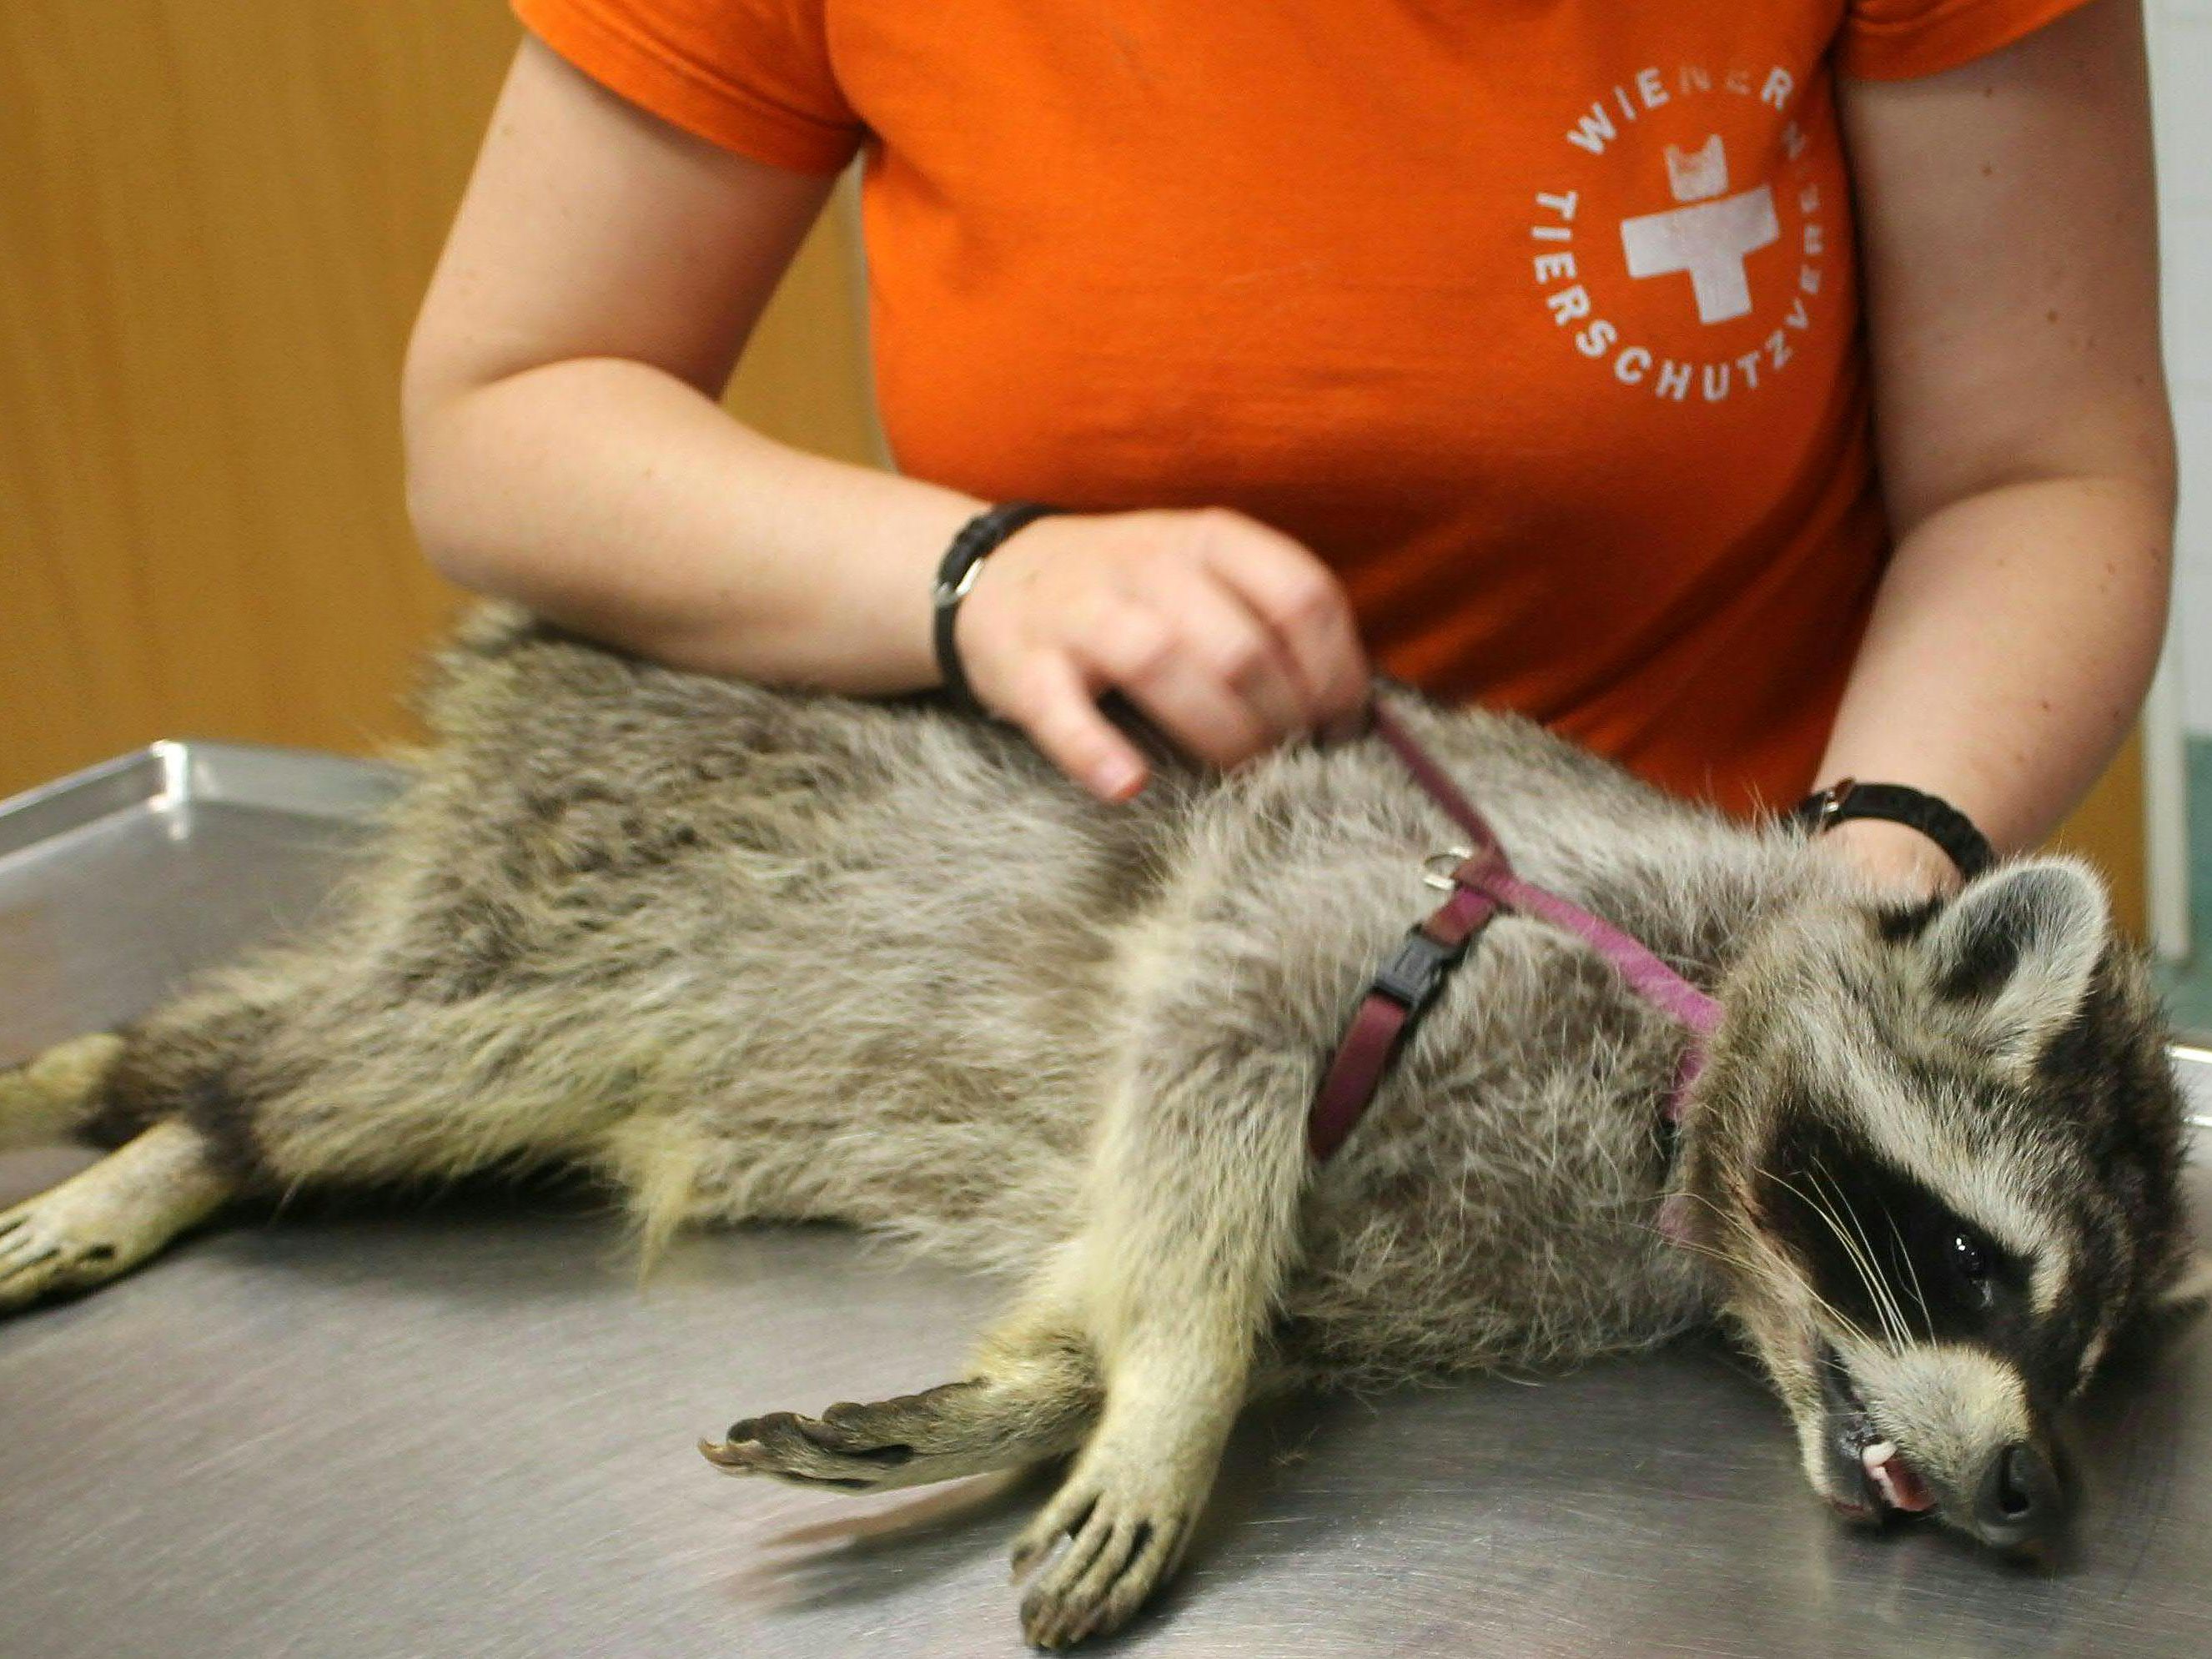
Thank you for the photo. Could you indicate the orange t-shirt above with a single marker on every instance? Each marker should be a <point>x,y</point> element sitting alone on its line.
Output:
<point>1537,319</point>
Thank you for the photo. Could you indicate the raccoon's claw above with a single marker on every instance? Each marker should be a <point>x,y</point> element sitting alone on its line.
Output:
<point>104,1221</point>
<point>1118,1550</point>
<point>808,1436</point>
<point>43,1254</point>
<point>780,1444</point>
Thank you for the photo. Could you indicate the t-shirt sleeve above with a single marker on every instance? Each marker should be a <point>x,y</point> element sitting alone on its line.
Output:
<point>1901,40</point>
<point>751,75</point>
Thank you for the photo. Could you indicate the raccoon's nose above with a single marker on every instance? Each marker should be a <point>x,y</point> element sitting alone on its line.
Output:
<point>2018,1504</point>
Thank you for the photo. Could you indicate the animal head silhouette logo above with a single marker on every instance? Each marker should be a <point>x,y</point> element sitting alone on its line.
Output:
<point>1700,174</point>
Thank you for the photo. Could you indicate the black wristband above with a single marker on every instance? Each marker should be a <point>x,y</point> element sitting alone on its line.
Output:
<point>1931,814</point>
<point>981,535</point>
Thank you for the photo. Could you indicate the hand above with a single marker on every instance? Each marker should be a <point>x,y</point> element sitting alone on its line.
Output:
<point>1894,855</point>
<point>1228,636</point>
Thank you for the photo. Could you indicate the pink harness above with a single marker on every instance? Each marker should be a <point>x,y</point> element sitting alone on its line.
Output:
<point>1481,884</point>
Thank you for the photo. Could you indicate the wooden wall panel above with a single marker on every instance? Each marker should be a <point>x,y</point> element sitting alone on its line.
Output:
<point>2107,829</point>
<point>805,375</point>
<point>216,219</point>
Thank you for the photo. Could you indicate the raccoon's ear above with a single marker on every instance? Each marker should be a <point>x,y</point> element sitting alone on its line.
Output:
<point>2012,954</point>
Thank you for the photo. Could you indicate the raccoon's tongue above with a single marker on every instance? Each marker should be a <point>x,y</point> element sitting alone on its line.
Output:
<point>1892,1477</point>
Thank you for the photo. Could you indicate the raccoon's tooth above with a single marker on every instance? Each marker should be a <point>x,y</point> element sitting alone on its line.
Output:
<point>1875,1453</point>
<point>1900,1488</point>
<point>1884,1485</point>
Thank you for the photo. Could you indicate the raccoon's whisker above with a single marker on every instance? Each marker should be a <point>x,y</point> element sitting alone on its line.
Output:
<point>1860,1263</point>
<point>1919,1296</point>
<point>1728,1217</point>
<point>1887,1289</point>
<point>1891,1335</point>
<point>1761,1244</point>
<point>1716,1252</point>
<point>1733,1259</point>
<point>1893,1313</point>
<point>1892,1316</point>
<point>1843,1322</point>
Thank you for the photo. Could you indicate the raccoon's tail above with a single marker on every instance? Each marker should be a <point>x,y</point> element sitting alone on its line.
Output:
<point>51,1097</point>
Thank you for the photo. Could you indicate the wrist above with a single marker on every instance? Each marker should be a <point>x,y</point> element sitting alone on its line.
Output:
<point>1910,831</point>
<point>1892,855</point>
<point>970,549</point>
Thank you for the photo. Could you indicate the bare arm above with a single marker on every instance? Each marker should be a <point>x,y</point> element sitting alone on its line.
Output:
<point>565,449</point>
<point>564,445</point>
<point>2026,447</point>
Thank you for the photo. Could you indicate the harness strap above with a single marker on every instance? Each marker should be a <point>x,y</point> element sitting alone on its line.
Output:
<point>1483,884</point>
<point>1401,990</point>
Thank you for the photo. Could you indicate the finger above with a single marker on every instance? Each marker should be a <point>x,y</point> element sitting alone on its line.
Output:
<point>1145,657</point>
<point>1239,651</point>
<point>1055,705</point>
<point>1301,601</point>
<point>1345,728</point>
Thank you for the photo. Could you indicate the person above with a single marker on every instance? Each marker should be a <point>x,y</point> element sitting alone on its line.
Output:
<point>1761,393</point>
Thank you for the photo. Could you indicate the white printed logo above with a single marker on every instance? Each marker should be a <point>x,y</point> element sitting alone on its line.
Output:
<point>1705,241</point>
<point>1711,239</point>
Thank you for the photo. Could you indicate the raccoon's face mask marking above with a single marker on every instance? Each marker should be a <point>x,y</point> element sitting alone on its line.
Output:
<point>1935,1368</point>
<point>1940,1168</point>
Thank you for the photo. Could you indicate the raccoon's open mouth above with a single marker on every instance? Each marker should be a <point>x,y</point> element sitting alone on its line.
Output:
<point>1867,1472</point>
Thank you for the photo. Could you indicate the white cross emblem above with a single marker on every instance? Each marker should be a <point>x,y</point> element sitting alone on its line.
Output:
<point>1710,237</point>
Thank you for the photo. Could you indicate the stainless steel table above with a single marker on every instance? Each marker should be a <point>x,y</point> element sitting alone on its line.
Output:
<point>462,1429</point>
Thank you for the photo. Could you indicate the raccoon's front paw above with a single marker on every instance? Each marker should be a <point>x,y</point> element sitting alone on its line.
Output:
<point>1125,1521</point>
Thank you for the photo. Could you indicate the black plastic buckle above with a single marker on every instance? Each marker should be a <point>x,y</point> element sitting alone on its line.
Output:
<point>1409,976</point>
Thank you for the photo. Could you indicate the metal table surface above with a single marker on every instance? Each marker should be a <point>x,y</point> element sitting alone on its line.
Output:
<point>462,1428</point>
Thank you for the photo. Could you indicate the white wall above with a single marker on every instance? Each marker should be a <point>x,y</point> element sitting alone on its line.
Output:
<point>2181,83</point>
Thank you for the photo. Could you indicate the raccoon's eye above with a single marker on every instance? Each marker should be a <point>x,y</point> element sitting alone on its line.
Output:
<point>1971,1261</point>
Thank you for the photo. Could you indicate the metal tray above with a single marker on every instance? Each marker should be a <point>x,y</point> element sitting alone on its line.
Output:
<point>462,1428</point>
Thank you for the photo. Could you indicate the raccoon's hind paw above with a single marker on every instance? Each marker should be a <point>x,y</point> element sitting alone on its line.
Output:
<point>940,1434</point>
<point>105,1220</point>
<point>41,1255</point>
<point>907,1442</point>
<point>807,1451</point>
<point>1123,1540</point>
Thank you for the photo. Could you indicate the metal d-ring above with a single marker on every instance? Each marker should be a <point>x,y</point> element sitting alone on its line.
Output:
<point>1451,858</point>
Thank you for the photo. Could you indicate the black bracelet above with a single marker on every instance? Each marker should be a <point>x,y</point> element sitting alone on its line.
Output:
<point>1931,814</point>
<point>963,560</point>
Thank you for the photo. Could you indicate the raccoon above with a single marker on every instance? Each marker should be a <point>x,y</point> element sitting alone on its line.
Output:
<point>748,955</point>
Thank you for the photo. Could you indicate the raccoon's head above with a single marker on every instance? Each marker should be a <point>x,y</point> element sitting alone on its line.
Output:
<point>1937,1150</point>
